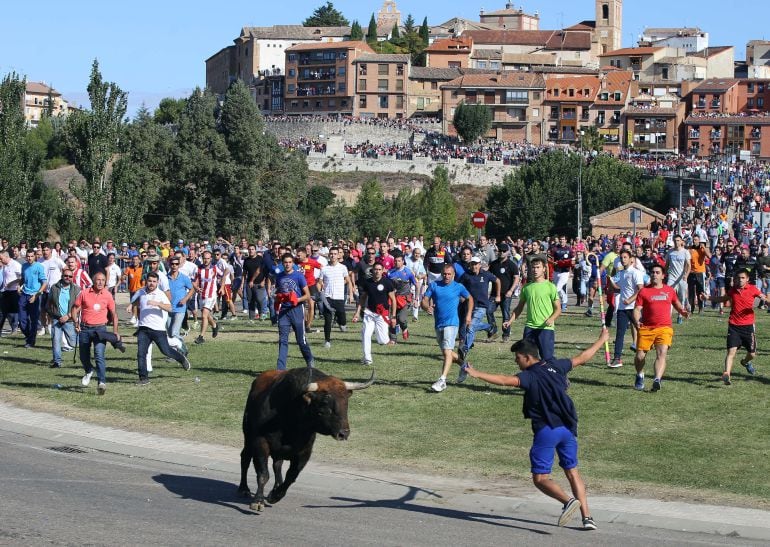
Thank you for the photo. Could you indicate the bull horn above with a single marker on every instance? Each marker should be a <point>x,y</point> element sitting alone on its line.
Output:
<point>312,386</point>
<point>352,386</point>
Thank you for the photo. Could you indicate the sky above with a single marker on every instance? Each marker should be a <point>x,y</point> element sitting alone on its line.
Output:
<point>157,49</point>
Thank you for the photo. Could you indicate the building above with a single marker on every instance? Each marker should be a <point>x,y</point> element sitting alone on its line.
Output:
<point>612,97</point>
<point>454,27</point>
<point>259,51</point>
<point>388,17</point>
<point>450,53</point>
<point>510,18</point>
<point>40,98</point>
<point>563,46</point>
<point>382,85</point>
<point>729,117</point>
<point>685,39</point>
<point>515,100</point>
<point>268,93</point>
<point>320,77</point>
<point>424,94</point>
<point>567,106</point>
<point>620,219</point>
<point>668,65</point>
<point>653,124</point>
<point>608,26</point>
<point>758,59</point>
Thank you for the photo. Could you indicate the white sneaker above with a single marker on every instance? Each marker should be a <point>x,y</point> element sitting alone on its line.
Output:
<point>245,312</point>
<point>366,362</point>
<point>327,344</point>
<point>101,388</point>
<point>48,329</point>
<point>343,328</point>
<point>87,379</point>
<point>41,331</point>
<point>439,385</point>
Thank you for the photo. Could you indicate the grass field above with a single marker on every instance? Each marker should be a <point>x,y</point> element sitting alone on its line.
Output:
<point>695,439</point>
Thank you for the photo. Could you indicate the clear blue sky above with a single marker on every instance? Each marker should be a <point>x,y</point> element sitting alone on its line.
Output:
<point>157,49</point>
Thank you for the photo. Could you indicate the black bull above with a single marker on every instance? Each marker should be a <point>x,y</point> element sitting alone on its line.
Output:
<point>284,411</point>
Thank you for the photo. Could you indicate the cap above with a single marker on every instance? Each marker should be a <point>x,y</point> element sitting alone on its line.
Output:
<point>503,248</point>
<point>475,260</point>
<point>180,241</point>
<point>124,244</point>
<point>744,246</point>
<point>153,258</point>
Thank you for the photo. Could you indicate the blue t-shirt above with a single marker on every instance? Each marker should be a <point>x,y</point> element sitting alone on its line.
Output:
<point>179,288</point>
<point>478,286</point>
<point>546,402</point>
<point>33,277</point>
<point>64,302</point>
<point>289,282</point>
<point>446,299</point>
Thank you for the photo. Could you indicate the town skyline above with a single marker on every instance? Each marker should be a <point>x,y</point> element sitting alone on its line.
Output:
<point>128,57</point>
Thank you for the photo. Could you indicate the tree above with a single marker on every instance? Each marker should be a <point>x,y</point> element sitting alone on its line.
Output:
<point>425,32</point>
<point>472,121</point>
<point>92,136</point>
<point>326,16</point>
<point>370,210</point>
<point>409,24</point>
<point>395,34</point>
<point>356,32</point>
<point>591,140</point>
<point>371,31</point>
<point>169,110</point>
<point>437,205</point>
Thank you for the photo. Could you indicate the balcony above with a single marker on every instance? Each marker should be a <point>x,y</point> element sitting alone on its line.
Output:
<point>568,115</point>
<point>568,136</point>
<point>700,104</point>
<point>715,104</point>
<point>314,91</point>
<point>599,120</point>
<point>553,135</point>
<point>715,135</point>
<point>756,133</point>
<point>585,116</point>
<point>694,135</point>
<point>553,115</point>
<point>317,75</point>
<point>615,119</point>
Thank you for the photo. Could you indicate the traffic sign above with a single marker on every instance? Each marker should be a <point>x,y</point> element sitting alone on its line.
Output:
<point>479,219</point>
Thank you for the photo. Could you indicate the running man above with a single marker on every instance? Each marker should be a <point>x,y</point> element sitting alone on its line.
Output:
<point>678,268</point>
<point>652,317</point>
<point>554,420</point>
<point>543,308</point>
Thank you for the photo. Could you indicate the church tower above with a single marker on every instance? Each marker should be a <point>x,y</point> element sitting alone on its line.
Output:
<point>609,24</point>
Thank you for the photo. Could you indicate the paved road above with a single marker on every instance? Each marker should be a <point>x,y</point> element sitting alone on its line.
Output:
<point>67,482</point>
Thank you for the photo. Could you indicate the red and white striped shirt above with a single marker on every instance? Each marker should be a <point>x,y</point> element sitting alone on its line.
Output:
<point>81,279</point>
<point>207,280</point>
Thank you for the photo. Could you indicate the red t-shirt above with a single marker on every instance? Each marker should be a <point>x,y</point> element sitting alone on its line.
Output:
<point>309,266</point>
<point>94,306</point>
<point>656,305</point>
<point>742,311</point>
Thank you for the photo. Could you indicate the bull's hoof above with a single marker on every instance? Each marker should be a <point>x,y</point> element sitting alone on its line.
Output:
<point>257,505</point>
<point>244,492</point>
<point>274,497</point>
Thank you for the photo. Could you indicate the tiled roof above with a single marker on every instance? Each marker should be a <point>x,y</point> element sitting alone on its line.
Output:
<point>578,84</point>
<point>487,54</point>
<point>453,23</point>
<point>451,45</point>
<point>506,11</point>
<point>502,80</point>
<point>709,51</point>
<point>685,31</point>
<point>614,82</point>
<point>294,32</point>
<point>583,25</point>
<point>564,70</point>
<point>528,59</point>
<point>433,73</point>
<point>715,85</point>
<point>383,58</point>
<point>546,39</point>
<point>632,51</point>
<point>40,88</point>
<point>311,46</point>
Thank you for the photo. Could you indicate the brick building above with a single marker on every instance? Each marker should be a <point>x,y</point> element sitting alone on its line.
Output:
<point>449,53</point>
<point>567,106</point>
<point>653,124</point>
<point>619,220</point>
<point>382,84</point>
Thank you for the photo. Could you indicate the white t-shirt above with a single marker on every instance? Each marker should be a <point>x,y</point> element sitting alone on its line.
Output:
<point>333,278</point>
<point>628,281</point>
<point>152,317</point>
<point>53,268</point>
<point>163,281</point>
<point>11,276</point>
<point>189,269</point>
<point>113,275</point>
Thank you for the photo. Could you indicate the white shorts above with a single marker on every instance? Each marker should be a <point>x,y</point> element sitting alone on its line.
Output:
<point>209,303</point>
<point>446,337</point>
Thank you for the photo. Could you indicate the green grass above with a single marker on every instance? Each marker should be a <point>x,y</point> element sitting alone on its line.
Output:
<point>696,438</point>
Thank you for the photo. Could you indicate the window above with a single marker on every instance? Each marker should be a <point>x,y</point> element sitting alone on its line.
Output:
<point>455,64</point>
<point>481,64</point>
<point>294,104</point>
<point>332,102</point>
<point>399,70</point>
<point>605,11</point>
<point>420,103</point>
<point>341,86</point>
<point>399,85</point>
<point>343,103</point>
<point>664,73</point>
<point>434,85</point>
<point>750,101</point>
<point>382,70</point>
<point>362,85</point>
<point>604,96</point>
<point>292,72</point>
<point>535,112</point>
<point>760,102</point>
<point>318,104</point>
<point>362,69</point>
<point>383,101</point>
<point>494,65</point>
<point>292,57</point>
<point>246,51</point>
<point>399,101</point>
<point>760,88</point>
<point>570,92</point>
<point>362,101</point>
<point>751,87</point>
<point>382,85</point>
<point>618,95</point>
<point>515,96</point>
<point>305,104</point>
<point>341,71</point>
<point>600,117</point>
<point>291,88</point>
<point>536,95</point>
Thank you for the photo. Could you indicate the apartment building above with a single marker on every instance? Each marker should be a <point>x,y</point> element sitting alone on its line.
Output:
<point>449,53</point>
<point>39,97</point>
<point>612,98</point>
<point>653,124</point>
<point>567,105</point>
<point>515,100</point>
<point>424,94</point>
<point>669,65</point>
<point>382,85</point>
<point>321,78</point>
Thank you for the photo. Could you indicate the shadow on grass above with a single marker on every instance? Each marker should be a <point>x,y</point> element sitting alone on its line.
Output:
<point>24,360</point>
<point>403,504</point>
<point>204,490</point>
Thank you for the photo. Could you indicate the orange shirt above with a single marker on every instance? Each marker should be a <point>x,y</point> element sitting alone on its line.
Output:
<point>698,260</point>
<point>134,276</point>
<point>94,306</point>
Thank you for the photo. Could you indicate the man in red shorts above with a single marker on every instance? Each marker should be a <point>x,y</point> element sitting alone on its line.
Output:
<point>652,317</point>
<point>740,328</point>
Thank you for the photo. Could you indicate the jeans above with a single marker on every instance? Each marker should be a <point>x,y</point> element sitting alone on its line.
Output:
<point>57,328</point>
<point>90,335</point>
<point>288,320</point>
<point>336,308</point>
<point>544,339</point>
<point>9,309</point>
<point>402,321</point>
<point>174,325</point>
<point>695,286</point>
<point>257,299</point>
<point>144,337</point>
<point>29,314</point>
<point>468,335</point>
<point>505,305</point>
<point>624,320</point>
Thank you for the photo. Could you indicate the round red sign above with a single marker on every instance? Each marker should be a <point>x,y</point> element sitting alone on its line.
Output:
<point>479,219</point>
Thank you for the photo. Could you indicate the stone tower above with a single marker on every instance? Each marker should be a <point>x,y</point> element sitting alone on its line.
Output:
<point>388,16</point>
<point>609,24</point>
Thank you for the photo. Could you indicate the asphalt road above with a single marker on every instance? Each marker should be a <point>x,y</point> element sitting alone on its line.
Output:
<point>91,497</point>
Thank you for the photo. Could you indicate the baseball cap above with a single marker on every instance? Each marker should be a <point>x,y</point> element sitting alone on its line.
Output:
<point>503,248</point>
<point>180,241</point>
<point>475,260</point>
<point>124,244</point>
<point>744,246</point>
<point>153,258</point>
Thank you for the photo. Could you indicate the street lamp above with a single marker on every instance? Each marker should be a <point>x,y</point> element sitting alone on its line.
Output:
<point>681,176</point>
<point>580,191</point>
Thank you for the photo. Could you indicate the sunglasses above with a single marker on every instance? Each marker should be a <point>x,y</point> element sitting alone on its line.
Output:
<point>67,276</point>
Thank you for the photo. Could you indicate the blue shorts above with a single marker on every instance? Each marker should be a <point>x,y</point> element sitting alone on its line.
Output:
<point>446,337</point>
<point>545,442</point>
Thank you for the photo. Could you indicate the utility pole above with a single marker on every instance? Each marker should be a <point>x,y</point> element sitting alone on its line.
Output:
<point>580,191</point>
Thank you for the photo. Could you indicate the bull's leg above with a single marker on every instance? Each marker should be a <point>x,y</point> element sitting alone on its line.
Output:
<point>243,488</point>
<point>263,475</point>
<point>296,465</point>
<point>277,473</point>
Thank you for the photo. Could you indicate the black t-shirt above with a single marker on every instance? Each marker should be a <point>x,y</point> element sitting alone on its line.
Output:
<point>546,402</point>
<point>251,265</point>
<point>506,271</point>
<point>363,272</point>
<point>749,264</point>
<point>648,262</point>
<point>729,260</point>
<point>377,294</point>
<point>97,263</point>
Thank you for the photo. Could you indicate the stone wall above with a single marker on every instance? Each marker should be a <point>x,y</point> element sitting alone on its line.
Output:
<point>353,133</point>
<point>460,172</point>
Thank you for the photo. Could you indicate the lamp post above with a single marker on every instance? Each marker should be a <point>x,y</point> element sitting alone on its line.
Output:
<point>580,192</point>
<point>681,175</point>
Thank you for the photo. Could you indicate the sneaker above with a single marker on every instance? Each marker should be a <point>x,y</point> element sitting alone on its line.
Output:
<point>589,313</point>
<point>245,312</point>
<point>120,346</point>
<point>405,334</point>
<point>199,340</point>
<point>41,331</point>
<point>343,328</point>
<point>86,379</point>
<point>366,362</point>
<point>749,367</point>
<point>215,330</point>
<point>633,347</point>
<point>186,363</point>
<point>655,385</point>
<point>615,363</point>
<point>492,334</point>
<point>639,383</point>
<point>133,321</point>
<point>327,344</point>
<point>143,382</point>
<point>463,374</point>
<point>233,318</point>
<point>461,353</point>
<point>28,346</point>
<point>54,364</point>
<point>588,523</point>
<point>726,379</point>
<point>196,325</point>
<point>101,389</point>
<point>439,385</point>
<point>679,320</point>
<point>568,511</point>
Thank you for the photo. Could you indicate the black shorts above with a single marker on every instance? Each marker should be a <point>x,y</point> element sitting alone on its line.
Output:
<point>742,336</point>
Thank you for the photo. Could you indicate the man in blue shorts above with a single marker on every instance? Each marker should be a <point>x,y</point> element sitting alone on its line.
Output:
<point>442,299</point>
<point>554,420</point>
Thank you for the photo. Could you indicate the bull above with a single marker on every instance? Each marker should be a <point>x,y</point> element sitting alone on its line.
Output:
<point>284,411</point>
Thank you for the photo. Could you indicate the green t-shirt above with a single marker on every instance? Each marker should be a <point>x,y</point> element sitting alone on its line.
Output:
<point>539,298</point>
